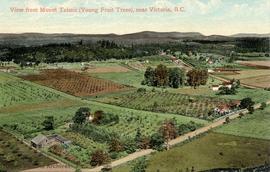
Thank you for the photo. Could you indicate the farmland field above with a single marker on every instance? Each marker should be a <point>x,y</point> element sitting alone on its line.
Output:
<point>14,91</point>
<point>254,77</point>
<point>255,125</point>
<point>258,64</point>
<point>249,73</point>
<point>132,78</point>
<point>208,152</point>
<point>259,81</point>
<point>73,83</point>
<point>15,156</point>
<point>195,106</point>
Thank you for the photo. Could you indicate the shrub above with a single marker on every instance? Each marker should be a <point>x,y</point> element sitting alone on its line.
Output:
<point>157,141</point>
<point>263,106</point>
<point>140,165</point>
<point>99,157</point>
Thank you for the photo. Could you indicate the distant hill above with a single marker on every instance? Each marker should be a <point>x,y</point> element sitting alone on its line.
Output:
<point>251,35</point>
<point>35,39</point>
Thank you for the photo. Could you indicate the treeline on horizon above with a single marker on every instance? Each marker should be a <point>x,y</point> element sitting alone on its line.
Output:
<point>104,50</point>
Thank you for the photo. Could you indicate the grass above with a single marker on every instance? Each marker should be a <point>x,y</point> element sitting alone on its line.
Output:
<point>16,156</point>
<point>257,95</point>
<point>252,125</point>
<point>132,78</point>
<point>248,73</point>
<point>208,152</point>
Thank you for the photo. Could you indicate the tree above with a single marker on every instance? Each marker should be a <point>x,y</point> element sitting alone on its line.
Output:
<point>161,75</point>
<point>48,123</point>
<point>250,109</point>
<point>98,116</point>
<point>263,106</point>
<point>140,165</point>
<point>197,77</point>
<point>157,141</point>
<point>246,103</point>
<point>168,131</point>
<point>149,76</point>
<point>99,157</point>
<point>176,77</point>
<point>130,146</point>
<point>223,90</point>
<point>81,115</point>
<point>144,143</point>
<point>227,120</point>
<point>138,136</point>
<point>116,145</point>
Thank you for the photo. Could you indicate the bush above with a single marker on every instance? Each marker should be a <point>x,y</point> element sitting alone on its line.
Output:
<point>263,106</point>
<point>141,90</point>
<point>140,165</point>
<point>157,141</point>
<point>130,146</point>
<point>99,157</point>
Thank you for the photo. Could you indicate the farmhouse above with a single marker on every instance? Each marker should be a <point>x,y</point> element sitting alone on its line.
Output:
<point>224,84</point>
<point>227,107</point>
<point>215,87</point>
<point>226,70</point>
<point>41,141</point>
<point>222,109</point>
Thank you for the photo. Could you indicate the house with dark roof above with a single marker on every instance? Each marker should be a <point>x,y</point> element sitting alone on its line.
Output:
<point>41,141</point>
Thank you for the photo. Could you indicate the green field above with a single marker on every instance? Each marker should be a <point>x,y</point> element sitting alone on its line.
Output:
<point>14,91</point>
<point>208,152</point>
<point>16,156</point>
<point>252,125</point>
<point>257,95</point>
<point>165,102</point>
<point>132,78</point>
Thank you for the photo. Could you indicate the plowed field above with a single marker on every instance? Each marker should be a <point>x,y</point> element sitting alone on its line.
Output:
<point>73,83</point>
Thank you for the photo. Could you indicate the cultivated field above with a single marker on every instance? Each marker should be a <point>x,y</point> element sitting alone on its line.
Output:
<point>108,69</point>
<point>73,83</point>
<point>255,125</point>
<point>165,102</point>
<point>16,156</point>
<point>132,78</point>
<point>259,81</point>
<point>14,91</point>
<point>253,77</point>
<point>258,64</point>
<point>208,152</point>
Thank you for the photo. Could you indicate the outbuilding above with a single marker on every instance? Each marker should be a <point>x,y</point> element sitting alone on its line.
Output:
<point>39,141</point>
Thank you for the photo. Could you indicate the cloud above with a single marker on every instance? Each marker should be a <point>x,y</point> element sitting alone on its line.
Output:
<point>76,3</point>
<point>163,3</point>
<point>199,6</point>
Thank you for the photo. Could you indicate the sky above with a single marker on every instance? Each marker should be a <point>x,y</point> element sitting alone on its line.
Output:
<point>222,17</point>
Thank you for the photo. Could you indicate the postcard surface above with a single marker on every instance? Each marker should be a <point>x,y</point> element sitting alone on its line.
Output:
<point>135,86</point>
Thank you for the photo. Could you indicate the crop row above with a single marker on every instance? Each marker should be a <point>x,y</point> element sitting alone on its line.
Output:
<point>18,92</point>
<point>165,102</point>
